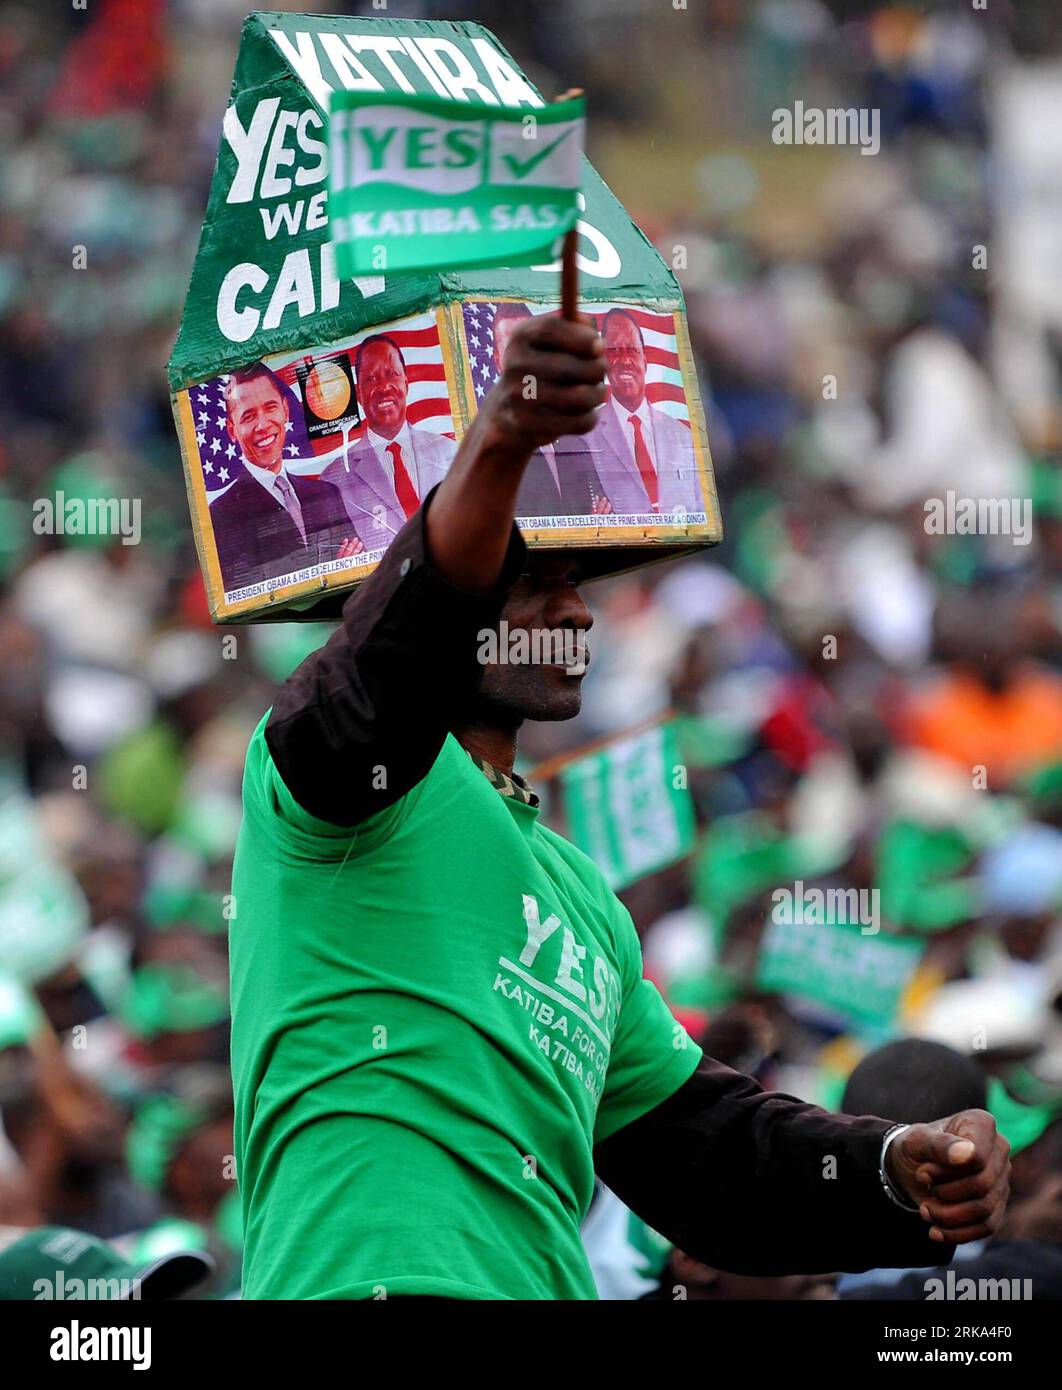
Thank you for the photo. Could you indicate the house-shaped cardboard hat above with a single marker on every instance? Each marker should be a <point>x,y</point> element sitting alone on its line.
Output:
<point>279,367</point>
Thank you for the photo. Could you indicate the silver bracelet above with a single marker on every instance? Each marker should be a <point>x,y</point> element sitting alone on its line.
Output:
<point>891,1191</point>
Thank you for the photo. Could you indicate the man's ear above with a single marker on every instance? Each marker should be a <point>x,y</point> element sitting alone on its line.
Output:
<point>228,426</point>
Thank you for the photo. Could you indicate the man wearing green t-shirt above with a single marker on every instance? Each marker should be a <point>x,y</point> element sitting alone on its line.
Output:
<point>440,1028</point>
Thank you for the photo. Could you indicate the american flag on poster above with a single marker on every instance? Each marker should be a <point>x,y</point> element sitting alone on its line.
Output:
<point>427,404</point>
<point>219,457</point>
<point>663,375</point>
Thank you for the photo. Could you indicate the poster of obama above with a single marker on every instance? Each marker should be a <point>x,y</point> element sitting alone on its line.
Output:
<point>639,465</point>
<point>312,461</point>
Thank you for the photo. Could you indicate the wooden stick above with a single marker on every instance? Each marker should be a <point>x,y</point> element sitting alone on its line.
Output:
<point>570,277</point>
<point>548,769</point>
<point>569,268</point>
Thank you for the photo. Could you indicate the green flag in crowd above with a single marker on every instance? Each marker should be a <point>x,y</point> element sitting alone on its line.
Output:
<point>918,868</point>
<point>746,853</point>
<point>20,1014</point>
<point>418,183</point>
<point>44,917</point>
<point>835,963</point>
<point>627,805</point>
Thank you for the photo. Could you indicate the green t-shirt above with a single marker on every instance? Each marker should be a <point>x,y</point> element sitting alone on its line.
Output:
<point>435,1017</point>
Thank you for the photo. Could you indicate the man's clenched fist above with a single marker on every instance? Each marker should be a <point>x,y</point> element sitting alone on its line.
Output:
<point>957,1171</point>
<point>552,381</point>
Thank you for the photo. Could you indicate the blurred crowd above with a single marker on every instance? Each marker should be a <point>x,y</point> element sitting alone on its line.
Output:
<point>862,703</point>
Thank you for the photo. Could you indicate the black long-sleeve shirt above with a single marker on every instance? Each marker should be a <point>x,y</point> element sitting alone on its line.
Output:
<point>743,1179</point>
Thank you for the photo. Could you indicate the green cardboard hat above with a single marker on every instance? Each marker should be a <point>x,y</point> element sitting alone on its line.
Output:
<point>265,296</point>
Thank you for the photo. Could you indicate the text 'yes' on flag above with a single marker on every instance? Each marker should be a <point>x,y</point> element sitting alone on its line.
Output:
<point>418,182</point>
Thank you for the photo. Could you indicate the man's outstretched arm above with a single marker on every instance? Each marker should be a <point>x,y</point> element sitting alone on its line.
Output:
<point>362,720</point>
<point>759,1183</point>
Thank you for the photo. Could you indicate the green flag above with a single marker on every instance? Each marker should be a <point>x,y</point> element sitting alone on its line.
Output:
<point>418,185</point>
<point>20,1014</point>
<point>43,913</point>
<point>628,807</point>
<point>836,964</point>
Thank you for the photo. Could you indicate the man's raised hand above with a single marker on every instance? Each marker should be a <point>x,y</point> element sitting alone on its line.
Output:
<point>552,381</point>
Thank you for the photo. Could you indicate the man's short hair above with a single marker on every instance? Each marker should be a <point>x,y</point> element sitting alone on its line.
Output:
<point>624,314</point>
<point>376,338</point>
<point>242,375</point>
<point>914,1081</point>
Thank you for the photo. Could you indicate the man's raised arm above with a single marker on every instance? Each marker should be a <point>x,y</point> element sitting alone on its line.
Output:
<point>362,720</point>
